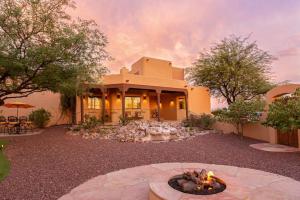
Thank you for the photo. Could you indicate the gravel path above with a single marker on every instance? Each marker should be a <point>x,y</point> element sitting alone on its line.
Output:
<point>48,165</point>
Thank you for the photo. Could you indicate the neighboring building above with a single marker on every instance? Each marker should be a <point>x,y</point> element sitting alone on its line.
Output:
<point>258,131</point>
<point>152,89</point>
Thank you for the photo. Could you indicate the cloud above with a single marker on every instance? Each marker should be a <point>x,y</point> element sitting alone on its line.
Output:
<point>178,30</point>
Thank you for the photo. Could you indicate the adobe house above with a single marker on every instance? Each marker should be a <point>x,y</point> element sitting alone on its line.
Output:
<point>152,89</point>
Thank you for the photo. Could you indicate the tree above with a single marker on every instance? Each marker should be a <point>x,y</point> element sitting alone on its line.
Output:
<point>284,113</point>
<point>240,113</point>
<point>43,48</point>
<point>233,68</point>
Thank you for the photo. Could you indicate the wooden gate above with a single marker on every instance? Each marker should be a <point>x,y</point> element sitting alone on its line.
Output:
<point>290,138</point>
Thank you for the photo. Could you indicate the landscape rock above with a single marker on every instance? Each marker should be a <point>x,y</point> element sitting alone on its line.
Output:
<point>141,131</point>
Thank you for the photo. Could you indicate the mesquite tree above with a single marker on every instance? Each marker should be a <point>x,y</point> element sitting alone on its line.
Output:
<point>233,69</point>
<point>43,48</point>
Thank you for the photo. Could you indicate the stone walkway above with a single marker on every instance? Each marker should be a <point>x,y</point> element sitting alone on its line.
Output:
<point>135,184</point>
<point>274,147</point>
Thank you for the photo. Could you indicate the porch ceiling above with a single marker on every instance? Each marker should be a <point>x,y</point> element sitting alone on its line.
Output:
<point>134,86</point>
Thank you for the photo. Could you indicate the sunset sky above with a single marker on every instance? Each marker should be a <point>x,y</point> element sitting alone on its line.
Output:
<point>178,30</point>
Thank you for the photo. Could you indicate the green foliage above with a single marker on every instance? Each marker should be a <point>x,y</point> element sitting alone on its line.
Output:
<point>40,117</point>
<point>123,121</point>
<point>43,48</point>
<point>90,122</point>
<point>284,113</point>
<point>204,121</point>
<point>233,69</point>
<point>240,113</point>
<point>68,105</point>
<point>4,163</point>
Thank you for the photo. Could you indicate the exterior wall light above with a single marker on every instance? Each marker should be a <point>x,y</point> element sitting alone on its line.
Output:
<point>172,103</point>
<point>144,97</point>
<point>118,96</point>
<point>127,81</point>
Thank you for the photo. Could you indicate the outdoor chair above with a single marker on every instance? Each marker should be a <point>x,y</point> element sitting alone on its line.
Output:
<point>128,114</point>
<point>138,115</point>
<point>12,124</point>
<point>3,124</point>
<point>25,124</point>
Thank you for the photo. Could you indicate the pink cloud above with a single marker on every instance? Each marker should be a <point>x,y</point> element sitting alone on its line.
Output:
<point>178,30</point>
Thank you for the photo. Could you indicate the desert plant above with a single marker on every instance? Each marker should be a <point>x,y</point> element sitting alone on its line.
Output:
<point>90,122</point>
<point>40,117</point>
<point>240,113</point>
<point>284,113</point>
<point>123,121</point>
<point>204,121</point>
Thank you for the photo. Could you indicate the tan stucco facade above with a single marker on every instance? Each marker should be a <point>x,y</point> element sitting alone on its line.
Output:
<point>256,130</point>
<point>147,79</point>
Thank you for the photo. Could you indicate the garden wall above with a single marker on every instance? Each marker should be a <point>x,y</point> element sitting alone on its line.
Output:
<point>47,100</point>
<point>255,130</point>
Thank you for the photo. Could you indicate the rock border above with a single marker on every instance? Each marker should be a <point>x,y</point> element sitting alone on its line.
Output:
<point>24,134</point>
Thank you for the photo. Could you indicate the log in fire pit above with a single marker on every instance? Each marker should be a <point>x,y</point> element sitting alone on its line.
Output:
<point>198,183</point>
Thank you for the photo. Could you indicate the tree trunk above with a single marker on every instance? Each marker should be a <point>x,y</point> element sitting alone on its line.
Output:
<point>242,131</point>
<point>73,110</point>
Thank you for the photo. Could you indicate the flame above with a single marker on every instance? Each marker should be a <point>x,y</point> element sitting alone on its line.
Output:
<point>210,174</point>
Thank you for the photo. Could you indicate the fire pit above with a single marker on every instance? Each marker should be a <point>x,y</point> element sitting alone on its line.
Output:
<point>197,182</point>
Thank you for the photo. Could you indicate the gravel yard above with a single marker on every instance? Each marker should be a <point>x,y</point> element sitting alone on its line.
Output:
<point>48,165</point>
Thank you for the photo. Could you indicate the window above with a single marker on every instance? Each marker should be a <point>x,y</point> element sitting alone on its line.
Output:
<point>132,102</point>
<point>181,103</point>
<point>94,102</point>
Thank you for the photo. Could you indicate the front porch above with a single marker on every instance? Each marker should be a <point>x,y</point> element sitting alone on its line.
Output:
<point>132,102</point>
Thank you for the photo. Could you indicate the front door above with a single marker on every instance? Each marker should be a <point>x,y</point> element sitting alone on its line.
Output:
<point>290,138</point>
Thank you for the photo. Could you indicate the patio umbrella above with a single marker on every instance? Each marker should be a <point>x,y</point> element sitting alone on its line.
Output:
<point>18,105</point>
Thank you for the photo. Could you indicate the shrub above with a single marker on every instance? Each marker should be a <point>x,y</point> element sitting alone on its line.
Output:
<point>239,113</point>
<point>284,113</point>
<point>204,121</point>
<point>40,117</point>
<point>123,121</point>
<point>90,122</point>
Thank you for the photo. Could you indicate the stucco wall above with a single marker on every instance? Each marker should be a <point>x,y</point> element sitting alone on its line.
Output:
<point>199,100</point>
<point>47,100</point>
<point>256,130</point>
<point>177,73</point>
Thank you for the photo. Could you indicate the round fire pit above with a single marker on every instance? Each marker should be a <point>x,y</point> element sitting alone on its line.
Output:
<point>197,183</point>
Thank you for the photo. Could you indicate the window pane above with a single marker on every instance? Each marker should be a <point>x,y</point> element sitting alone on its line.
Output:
<point>128,102</point>
<point>97,102</point>
<point>94,103</point>
<point>89,102</point>
<point>136,102</point>
<point>132,102</point>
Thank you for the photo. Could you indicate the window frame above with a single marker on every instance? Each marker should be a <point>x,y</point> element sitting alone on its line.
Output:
<point>93,105</point>
<point>139,103</point>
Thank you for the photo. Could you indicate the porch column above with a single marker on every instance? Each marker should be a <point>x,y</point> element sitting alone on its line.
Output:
<point>123,102</point>
<point>103,90</point>
<point>186,105</point>
<point>158,92</point>
<point>81,109</point>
